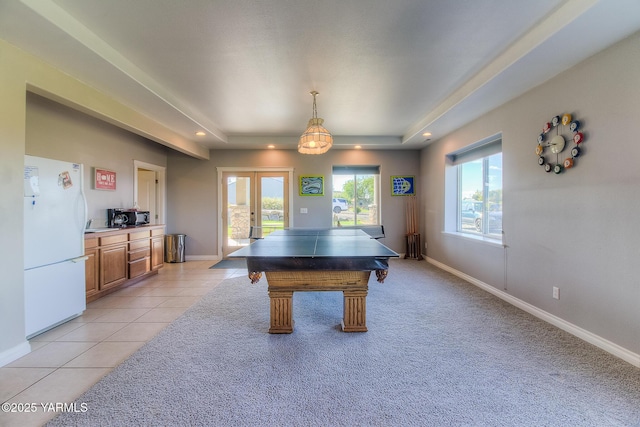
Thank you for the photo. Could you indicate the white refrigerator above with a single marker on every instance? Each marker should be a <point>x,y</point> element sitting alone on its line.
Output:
<point>55,214</point>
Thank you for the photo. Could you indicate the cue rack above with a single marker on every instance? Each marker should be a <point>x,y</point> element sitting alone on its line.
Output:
<point>412,236</point>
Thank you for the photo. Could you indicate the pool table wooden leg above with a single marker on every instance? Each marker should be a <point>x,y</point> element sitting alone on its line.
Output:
<point>281,312</point>
<point>355,311</point>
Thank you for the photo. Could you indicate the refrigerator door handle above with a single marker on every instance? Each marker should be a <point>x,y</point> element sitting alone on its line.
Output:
<point>79,259</point>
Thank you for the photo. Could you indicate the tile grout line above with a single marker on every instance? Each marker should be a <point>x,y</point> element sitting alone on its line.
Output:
<point>206,283</point>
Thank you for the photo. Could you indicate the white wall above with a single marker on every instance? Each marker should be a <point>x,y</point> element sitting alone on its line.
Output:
<point>578,230</point>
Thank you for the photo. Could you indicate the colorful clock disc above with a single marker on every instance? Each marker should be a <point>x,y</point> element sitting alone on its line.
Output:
<point>578,137</point>
<point>574,126</point>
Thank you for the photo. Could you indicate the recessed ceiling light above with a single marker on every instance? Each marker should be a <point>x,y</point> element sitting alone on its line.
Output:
<point>271,146</point>
<point>358,147</point>
<point>200,133</point>
<point>426,134</point>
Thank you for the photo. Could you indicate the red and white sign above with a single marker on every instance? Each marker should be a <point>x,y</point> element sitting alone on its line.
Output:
<point>105,179</point>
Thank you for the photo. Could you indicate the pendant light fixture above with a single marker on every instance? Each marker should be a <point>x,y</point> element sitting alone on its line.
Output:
<point>316,139</point>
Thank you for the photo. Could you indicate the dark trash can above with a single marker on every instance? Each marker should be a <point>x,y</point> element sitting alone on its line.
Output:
<point>174,247</point>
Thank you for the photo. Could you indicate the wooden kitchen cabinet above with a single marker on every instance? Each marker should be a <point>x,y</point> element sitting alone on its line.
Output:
<point>113,260</point>
<point>157,249</point>
<point>91,276</point>
<point>121,257</point>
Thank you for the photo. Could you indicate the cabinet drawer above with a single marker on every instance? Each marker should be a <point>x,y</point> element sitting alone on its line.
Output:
<point>136,255</point>
<point>139,267</point>
<point>157,232</point>
<point>90,242</point>
<point>140,235</point>
<point>142,244</point>
<point>110,240</point>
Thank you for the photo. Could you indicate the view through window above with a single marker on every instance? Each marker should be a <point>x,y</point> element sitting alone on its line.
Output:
<point>356,196</point>
<point>481,196</point>
<point>479,188</point>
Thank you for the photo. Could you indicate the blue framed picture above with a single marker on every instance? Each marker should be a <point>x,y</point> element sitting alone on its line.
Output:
<point>402,186</point>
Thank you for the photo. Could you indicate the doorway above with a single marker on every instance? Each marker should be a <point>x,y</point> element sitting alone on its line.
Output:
<point>254,204</point>
<point>149,190</point>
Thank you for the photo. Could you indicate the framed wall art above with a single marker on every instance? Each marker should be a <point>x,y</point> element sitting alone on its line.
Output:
<point>402,186</point>
<point>104,179</point>
<point>312,185</point>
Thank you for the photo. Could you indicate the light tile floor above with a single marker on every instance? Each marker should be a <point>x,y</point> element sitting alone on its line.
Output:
<point>67,360</point>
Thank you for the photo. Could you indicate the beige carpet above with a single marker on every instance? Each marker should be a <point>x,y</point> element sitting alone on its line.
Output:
<point>439,352</point>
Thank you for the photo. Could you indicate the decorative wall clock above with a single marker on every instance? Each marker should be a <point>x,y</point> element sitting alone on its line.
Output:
<point>552,142</point>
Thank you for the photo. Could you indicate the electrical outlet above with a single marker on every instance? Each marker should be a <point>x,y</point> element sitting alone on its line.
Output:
<point>556,292</point>
<point>303,210</point>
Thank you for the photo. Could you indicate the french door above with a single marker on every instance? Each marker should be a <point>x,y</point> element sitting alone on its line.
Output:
<point>255,201</point>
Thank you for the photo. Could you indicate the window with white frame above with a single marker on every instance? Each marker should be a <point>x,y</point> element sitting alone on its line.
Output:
<point>356,196</point>
<point>474,189</point>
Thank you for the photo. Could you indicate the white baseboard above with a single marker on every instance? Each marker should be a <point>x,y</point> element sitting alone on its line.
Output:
<point>14,353</point>
<point>577,331</point>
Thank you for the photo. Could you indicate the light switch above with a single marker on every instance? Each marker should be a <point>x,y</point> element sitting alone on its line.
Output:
<point>303,210</point>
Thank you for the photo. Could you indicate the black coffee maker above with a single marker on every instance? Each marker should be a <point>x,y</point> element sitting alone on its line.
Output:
<point>117,218</point>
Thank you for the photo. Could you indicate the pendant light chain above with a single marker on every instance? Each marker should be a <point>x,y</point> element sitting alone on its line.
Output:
<point>315,109</point>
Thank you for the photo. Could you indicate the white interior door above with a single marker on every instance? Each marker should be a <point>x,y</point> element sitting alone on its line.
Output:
<point>149,188</point>
<point>147,192</point>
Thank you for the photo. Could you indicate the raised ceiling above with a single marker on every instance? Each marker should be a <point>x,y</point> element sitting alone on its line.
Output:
<point>387,71</point>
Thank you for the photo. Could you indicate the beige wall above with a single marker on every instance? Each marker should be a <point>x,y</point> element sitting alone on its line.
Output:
<point>193,190</point>
<point>22,73</point>
<point>578,230</point>
<point>58,132</point>
<point>12,131</point>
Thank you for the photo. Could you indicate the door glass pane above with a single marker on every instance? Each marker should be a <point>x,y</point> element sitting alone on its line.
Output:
<point>238,210</point>
<point>272,203</point>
